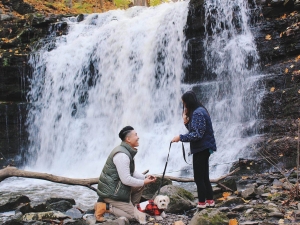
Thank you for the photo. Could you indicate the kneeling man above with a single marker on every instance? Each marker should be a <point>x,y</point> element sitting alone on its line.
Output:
<point>120,187</point>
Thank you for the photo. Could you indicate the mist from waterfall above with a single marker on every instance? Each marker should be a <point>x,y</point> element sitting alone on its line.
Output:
<point>111,70</point>
<point>233,98</point>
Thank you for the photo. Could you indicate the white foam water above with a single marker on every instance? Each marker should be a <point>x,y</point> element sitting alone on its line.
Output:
<point>233,100</point>
<point>122,67</point>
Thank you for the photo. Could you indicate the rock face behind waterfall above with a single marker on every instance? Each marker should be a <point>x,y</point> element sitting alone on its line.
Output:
<point>277,35</point>
<point>276,31</point>
<point>18,37</point>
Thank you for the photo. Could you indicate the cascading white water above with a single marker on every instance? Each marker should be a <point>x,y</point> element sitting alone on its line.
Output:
<point>233,98</point>
<point>125,68</point>
<point>111,70</point>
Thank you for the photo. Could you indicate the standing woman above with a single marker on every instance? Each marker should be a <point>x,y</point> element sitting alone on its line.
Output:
<point>202,143</point>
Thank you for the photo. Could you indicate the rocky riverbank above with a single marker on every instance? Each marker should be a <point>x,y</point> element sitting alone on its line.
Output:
<point>247,198</point>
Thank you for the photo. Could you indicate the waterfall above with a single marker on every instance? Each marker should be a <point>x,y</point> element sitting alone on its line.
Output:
<point>234,96</point>
<point>111,70</point>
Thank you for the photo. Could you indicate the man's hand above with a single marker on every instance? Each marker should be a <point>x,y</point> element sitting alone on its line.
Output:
<point>149,179</point>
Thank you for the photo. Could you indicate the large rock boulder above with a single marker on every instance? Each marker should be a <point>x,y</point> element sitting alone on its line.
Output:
<point>180,199</point>
<point>51,215</point>
<point>209,217</point>
<point>13,203</point>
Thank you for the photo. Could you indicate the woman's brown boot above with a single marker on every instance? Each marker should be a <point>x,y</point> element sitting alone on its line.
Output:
<point>100,209</point>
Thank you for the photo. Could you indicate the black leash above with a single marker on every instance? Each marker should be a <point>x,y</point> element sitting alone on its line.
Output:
<point>183,153</point>
<point>162,178</point>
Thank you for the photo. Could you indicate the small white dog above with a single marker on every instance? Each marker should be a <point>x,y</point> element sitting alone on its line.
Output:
<point>154,207</point>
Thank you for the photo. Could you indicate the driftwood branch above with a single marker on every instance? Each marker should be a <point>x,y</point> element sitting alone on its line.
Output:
<point>15,172</point>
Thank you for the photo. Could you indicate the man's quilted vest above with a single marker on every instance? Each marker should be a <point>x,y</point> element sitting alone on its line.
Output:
<point>109,184</point>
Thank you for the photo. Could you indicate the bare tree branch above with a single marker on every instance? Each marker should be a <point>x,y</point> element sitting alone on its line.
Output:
<point>10,171</point>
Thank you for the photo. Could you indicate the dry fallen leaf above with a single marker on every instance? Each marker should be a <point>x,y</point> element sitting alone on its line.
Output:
<point>283,17</point>
<point>286,70</point>
<point>233,222</point>
<point>272,89</point>
<point>244,177</point>
<point>268,37</point>
<point>246,201</point>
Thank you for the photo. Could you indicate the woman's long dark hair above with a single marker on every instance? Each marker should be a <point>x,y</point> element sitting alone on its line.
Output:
<point>191,102</point>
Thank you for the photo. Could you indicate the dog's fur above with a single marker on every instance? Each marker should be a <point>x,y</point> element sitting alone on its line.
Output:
<point>160,201</point>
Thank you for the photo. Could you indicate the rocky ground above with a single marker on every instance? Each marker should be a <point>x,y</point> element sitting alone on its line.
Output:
<point>245,197</point>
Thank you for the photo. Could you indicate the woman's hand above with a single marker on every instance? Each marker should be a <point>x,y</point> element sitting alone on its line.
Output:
<point>176,139</point>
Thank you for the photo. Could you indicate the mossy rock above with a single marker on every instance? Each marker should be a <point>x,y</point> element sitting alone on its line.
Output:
<point>52,215</point>
<point>180,199</point>
<point>209,217</point>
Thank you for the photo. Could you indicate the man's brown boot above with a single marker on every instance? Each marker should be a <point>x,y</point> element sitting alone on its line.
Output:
<point>100,209</point>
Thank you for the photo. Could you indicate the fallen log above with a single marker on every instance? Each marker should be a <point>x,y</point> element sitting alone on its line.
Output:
<point>10,171</point>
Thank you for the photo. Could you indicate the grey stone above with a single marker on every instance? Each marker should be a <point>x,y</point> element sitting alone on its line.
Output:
<point>73,213</point>
<point>5,17</point>
<point>277,184</point>
<point>250,223</point>
<point>248,192</point>
<point>287,186</point>
<point>276,214</point>
<point>238,208</point>
<point>265,195</point>
<point>249,211</point>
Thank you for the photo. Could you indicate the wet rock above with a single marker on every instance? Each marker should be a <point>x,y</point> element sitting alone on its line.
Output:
<point>55,200</point>
<point>39,207</point>
<point>80,18</point>
<point>24,208</point>
<point>13,203</point>
<point>61,206</point>
<point>13,222</point>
